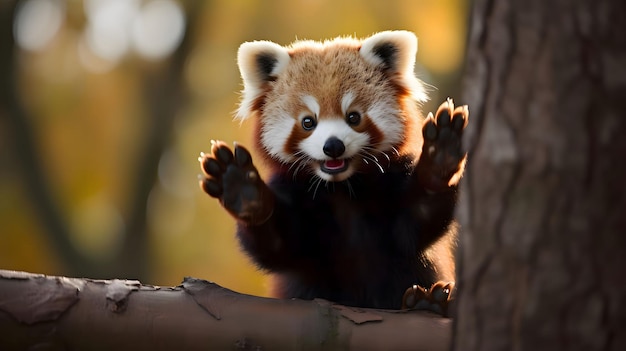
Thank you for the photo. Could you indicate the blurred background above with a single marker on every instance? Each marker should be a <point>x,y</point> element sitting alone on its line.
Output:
<point>105,106</point>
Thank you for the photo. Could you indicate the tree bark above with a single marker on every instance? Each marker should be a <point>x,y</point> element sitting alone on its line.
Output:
<point>543,213</point>
<point>47,312</point>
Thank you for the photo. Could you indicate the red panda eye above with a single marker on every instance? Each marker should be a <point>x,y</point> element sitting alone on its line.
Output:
<point>308,123</point>
<point>353,118</point>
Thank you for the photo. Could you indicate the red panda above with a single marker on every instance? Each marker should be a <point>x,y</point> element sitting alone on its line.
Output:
<point>359,202</point>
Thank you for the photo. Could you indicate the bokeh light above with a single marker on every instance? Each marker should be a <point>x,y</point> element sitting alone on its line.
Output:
<point>37,22</point>
<point>158,29</point>
<point>116,28</point>
<point>108,27</point>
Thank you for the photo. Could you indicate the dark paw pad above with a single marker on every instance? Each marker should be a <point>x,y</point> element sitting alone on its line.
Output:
<point>443,158</point>
<point>232,178</point>
<point>435,299</point>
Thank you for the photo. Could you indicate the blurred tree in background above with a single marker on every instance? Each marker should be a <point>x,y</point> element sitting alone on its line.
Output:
<point>106,104</point>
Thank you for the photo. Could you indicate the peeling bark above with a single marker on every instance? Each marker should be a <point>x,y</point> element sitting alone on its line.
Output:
<point>543,214</point>
<point>48,312</point>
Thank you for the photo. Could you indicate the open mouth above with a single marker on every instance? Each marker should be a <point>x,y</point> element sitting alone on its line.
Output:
<point>334,166</point>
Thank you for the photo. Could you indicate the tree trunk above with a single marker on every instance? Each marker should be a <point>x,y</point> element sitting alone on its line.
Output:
<point>543,210</point>
<point>58,313</point>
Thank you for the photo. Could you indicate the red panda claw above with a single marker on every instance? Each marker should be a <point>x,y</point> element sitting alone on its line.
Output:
<point>212,167</point>
<point>223,154</point>
<point>211,187</point>
<point>460,117</point>
<point>430,130</point>
<point>242,156</point>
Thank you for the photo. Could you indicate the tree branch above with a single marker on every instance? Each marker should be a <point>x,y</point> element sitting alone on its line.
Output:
<point>70,313</point>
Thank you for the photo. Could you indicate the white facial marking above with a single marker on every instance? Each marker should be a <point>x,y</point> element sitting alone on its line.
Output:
<point>275,134</point>
<point>346,101</point>
<point>386,116</point>
<point>311,103</point>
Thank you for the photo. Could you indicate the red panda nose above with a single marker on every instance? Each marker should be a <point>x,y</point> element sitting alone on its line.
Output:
<point>334,147</point>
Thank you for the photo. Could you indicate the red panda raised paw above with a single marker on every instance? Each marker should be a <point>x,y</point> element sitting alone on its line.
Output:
<point>232,178</point>
<point>442,160</point>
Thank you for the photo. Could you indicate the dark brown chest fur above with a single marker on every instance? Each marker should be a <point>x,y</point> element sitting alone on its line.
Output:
<point>358,243</point>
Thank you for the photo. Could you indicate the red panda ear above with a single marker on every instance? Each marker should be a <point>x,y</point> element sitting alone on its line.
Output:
<point>395,52</point>
<point>259,62</point>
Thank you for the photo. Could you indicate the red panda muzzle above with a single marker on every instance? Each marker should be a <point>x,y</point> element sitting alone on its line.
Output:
<point>334,147</point>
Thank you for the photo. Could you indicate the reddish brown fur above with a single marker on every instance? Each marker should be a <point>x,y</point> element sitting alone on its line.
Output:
<point>328,83</point>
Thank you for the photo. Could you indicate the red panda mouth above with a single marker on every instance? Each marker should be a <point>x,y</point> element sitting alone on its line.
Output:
<point>334,166</point>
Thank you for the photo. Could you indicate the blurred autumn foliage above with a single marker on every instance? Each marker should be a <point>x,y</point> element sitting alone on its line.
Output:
<point>106,105</point>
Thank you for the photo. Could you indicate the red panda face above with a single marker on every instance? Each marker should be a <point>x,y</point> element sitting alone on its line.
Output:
<point>331,145</point>
<point>332,108</point>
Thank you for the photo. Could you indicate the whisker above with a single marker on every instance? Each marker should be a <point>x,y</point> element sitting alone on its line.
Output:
<point>303,164</point>
<point>293,165</point>
<point>372,158</point>
<point>312,181</point>
<point>386,156</point>
<point>373,148</point>
<point>379,167</point>
<point>299,163</point>
<point>382,149</point>
<point>350,189</point>
<point>319,181</point>
<point>395,150</point>
<point>377,147</point>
